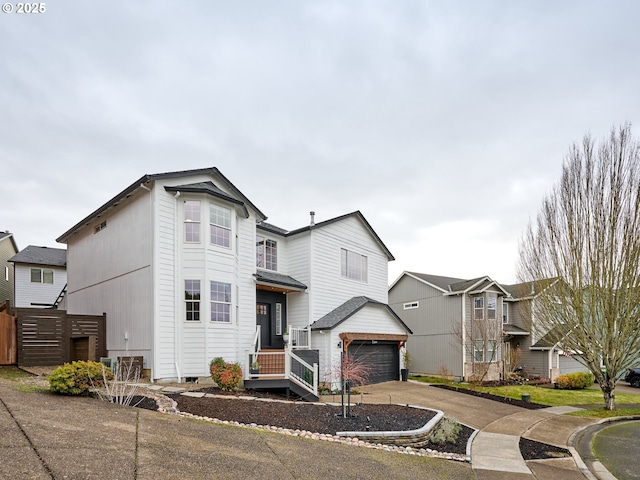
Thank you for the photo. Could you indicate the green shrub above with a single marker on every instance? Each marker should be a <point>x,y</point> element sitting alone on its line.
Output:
<point>78,378</point>
<point>226,375</point>
<point>447,431</point>
<point>575,381</point>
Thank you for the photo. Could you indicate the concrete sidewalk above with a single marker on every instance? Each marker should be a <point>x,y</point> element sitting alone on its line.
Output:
<point>495,452</point>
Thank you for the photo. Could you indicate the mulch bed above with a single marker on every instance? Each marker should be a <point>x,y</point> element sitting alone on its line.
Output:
<point>496,398</point>
<point>327,419</point>
<point>323,419</point>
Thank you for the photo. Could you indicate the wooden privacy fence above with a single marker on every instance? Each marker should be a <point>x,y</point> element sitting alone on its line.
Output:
<point>8,339</point>
<point>53,337</point>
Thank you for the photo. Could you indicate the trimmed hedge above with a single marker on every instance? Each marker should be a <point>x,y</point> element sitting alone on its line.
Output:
<point>78,378</point>
<point>574,381</point>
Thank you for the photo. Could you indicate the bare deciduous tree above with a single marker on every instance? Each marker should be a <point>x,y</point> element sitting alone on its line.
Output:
<point>587,237</point>
<point>480,342</point>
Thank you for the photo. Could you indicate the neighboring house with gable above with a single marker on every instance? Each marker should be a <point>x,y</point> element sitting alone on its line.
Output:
<point>456,324</point>
<point>40,277</point>
<point>531,348</point>
<point>187,269</point>
<point>8,248</point>
<point>459,326</point>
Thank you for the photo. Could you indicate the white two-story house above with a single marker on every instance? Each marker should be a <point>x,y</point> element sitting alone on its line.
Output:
<point>187,269</point>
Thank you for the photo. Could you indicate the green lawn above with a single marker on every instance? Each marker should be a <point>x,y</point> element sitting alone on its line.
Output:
<point>543,395</point>
<point>11,373</point>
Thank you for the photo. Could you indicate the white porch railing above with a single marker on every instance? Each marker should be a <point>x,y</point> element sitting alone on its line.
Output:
<point>278,364</point>
<point>300,337</point>
<point>302,373</point>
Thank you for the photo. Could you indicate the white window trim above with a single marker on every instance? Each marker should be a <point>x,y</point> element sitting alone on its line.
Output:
<point>186,222</point>
<point>494,309</point>
<point>185,301</point>
<point>344,266</point>
<point>265,265</point>
<point>505,318</point>
<point>476,309</point>
<point>229,303</point>
<point>411,305</point>
<point>229,228</point>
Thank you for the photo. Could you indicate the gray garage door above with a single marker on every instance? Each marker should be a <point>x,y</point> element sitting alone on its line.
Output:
<point>383,358</point>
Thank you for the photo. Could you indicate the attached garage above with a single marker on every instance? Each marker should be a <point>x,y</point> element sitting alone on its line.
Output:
<point>367,329</point>
<point>382,357</point>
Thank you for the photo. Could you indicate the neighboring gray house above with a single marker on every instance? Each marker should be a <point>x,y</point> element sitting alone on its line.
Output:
<point>40,277</point>
<point>8,248</point>
<point>462,327</point>
<point>529,348</point>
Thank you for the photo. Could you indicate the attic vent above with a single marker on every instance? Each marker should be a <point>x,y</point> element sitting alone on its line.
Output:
<point>102,226</point>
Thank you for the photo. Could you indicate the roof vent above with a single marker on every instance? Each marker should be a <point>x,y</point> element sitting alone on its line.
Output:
<point>313,216</point>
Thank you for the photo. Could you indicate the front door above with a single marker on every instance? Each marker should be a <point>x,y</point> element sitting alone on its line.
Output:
<point>263,319</point>
<point>271,317</point>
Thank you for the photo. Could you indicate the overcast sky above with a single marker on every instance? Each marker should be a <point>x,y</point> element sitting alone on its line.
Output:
<point>444,123</point>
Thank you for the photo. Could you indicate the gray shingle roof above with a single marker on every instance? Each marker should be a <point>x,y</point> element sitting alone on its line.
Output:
<point>555,335</point>
<point>269,227</point>
<point>513,330</point>
<point>527,289</point>
<point>349,308</point>
<point>462,286</point>
<point>204,187</point>
<point>127,192</point>
<point>279,279</point>
<point>437,280</point>
<point>55,257</point>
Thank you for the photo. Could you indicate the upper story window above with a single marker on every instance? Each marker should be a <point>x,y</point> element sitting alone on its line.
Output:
<point>491,307</point>
<point>505,312</point>
<point>220,224</point>
<point>192,300</point>
<point>353,265</point>
<point>266,253</point>
<point>192,221</point>
<point>478,308</point>
<point>41,275</point>
<point>100,227</point>
<point>220,302</point>
<point>410,305</point>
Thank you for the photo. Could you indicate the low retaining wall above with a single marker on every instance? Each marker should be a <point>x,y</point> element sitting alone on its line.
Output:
<point>409,438</point>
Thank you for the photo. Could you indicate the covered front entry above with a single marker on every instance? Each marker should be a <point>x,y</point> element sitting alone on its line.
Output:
<point>271,317</point>
<point>381,357</point>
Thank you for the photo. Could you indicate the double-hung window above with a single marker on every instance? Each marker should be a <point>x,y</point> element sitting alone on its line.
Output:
<point>353,265</point>
<point>266,253</point>
<point>491,307</point>
<point>220,225</point>
<point>192,300</point>
<point>478,351</point>
<point>478,308</point>
<point>505,312</point>
<point>41,275</point>
<point>192,221</point>
<point>220,302</point>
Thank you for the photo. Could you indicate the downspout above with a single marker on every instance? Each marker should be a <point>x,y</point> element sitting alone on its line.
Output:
<point>176,326</point>
<point>464,334</point>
